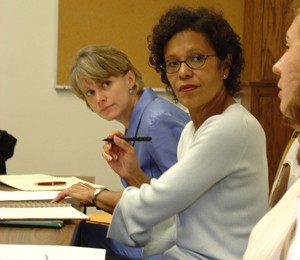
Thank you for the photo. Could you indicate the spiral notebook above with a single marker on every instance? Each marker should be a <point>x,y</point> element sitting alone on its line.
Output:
<point>38,210</point>
<point>33,208</point>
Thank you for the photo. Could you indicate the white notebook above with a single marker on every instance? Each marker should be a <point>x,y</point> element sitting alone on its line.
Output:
<point>35,210</point>
<point>35,205</point>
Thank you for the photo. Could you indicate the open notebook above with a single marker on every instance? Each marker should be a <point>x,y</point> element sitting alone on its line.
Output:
<point>30,182</point>
<point>35,205</point>
<point>30,204</point>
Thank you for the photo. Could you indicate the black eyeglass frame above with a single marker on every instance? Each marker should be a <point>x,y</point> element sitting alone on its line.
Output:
<point>186,61</point>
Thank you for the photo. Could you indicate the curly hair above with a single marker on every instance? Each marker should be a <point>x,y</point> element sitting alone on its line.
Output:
<point>217,30</point>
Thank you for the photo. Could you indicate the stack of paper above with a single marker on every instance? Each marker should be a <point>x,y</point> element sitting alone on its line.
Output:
<point>37,252</point>
<point>32,200</point>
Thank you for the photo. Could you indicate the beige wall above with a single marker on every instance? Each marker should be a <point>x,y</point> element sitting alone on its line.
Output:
<point>56,133</point>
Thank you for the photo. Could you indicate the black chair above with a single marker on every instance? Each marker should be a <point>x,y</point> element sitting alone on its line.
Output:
<point>7,147</point>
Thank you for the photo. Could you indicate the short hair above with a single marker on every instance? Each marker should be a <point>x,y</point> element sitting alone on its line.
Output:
<point>98,62</point>
<point>215,28</point>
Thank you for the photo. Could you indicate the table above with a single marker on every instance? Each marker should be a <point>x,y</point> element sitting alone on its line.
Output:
<point>66,235</point>
<point>39,235</point>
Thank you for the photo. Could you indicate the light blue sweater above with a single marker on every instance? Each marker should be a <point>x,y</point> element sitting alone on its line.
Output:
<point>216,192</point>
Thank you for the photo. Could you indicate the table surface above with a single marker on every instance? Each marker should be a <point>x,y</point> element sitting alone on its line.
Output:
<point>38,235</point>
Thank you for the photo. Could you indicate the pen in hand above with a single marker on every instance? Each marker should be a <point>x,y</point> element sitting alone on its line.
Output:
<point>133,139</point>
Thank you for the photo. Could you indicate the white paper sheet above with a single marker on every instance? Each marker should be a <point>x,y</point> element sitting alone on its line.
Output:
<point>27,195</point>
<point>45,252</point>
<point>35,213</point>
<point>28,182</point>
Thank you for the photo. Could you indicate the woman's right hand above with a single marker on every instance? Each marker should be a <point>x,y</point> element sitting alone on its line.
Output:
<point>121,157</point>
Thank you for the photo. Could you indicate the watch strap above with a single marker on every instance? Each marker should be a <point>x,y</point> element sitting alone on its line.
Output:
<point>95,194</point>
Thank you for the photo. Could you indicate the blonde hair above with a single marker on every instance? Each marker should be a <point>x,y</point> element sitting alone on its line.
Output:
<point>94,63</point>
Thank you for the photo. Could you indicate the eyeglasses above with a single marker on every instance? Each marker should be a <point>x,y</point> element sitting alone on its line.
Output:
<point>195,61</point>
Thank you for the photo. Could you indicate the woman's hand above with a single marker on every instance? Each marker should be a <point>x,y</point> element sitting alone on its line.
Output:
<point>121,157</point>
<point>83,192</point>
<point>80,191</point>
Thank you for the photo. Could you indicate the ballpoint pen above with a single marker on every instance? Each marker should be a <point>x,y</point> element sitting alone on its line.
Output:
<point>133,139</point>
<point>51,183</point>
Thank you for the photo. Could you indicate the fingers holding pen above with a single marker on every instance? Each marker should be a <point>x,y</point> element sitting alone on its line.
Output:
<point>111,147</point>
<point>110,137</point>
<point>107,154</point>
<point>110,151</point>
<point>122,144</point>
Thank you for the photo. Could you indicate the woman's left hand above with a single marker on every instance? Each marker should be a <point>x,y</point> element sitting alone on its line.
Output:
<point>80,191</point>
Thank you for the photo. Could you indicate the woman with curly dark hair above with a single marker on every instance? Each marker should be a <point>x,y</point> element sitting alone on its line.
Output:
<point>205,206</point>
<point>218,33</point>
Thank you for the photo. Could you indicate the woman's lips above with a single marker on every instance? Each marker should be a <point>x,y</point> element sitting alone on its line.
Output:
<point>104,109</point>
<point>187,88</point>
<point>279,94</point>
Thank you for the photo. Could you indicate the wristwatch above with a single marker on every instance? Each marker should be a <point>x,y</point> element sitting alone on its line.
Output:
<point>95,194</point>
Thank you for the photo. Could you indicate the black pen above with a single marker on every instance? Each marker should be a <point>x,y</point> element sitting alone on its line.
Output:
<point>133,139</point>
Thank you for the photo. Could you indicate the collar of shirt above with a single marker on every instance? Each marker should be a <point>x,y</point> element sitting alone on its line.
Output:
<point>147,97</point>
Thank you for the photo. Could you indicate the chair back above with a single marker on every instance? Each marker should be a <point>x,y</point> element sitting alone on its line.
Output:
<point>288,171</point>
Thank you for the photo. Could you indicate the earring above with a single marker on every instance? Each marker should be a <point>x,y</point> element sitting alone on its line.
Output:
<point>131,91</point>
<point>225,76</point>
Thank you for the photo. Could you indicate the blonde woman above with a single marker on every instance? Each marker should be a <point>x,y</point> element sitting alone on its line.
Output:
<point>106,80</point>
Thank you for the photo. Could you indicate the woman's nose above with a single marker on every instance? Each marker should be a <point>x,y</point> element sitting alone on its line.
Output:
<point>276,67</point>
<point>100,96</point>
<point>184,70</point>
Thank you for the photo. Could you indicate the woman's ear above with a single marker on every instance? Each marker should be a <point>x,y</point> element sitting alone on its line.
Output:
<point>227,64</point>
<point>131,78</point>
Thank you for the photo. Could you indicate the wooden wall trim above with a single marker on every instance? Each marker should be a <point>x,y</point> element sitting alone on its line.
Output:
<point>253,16</point>
<point>265,25</point>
